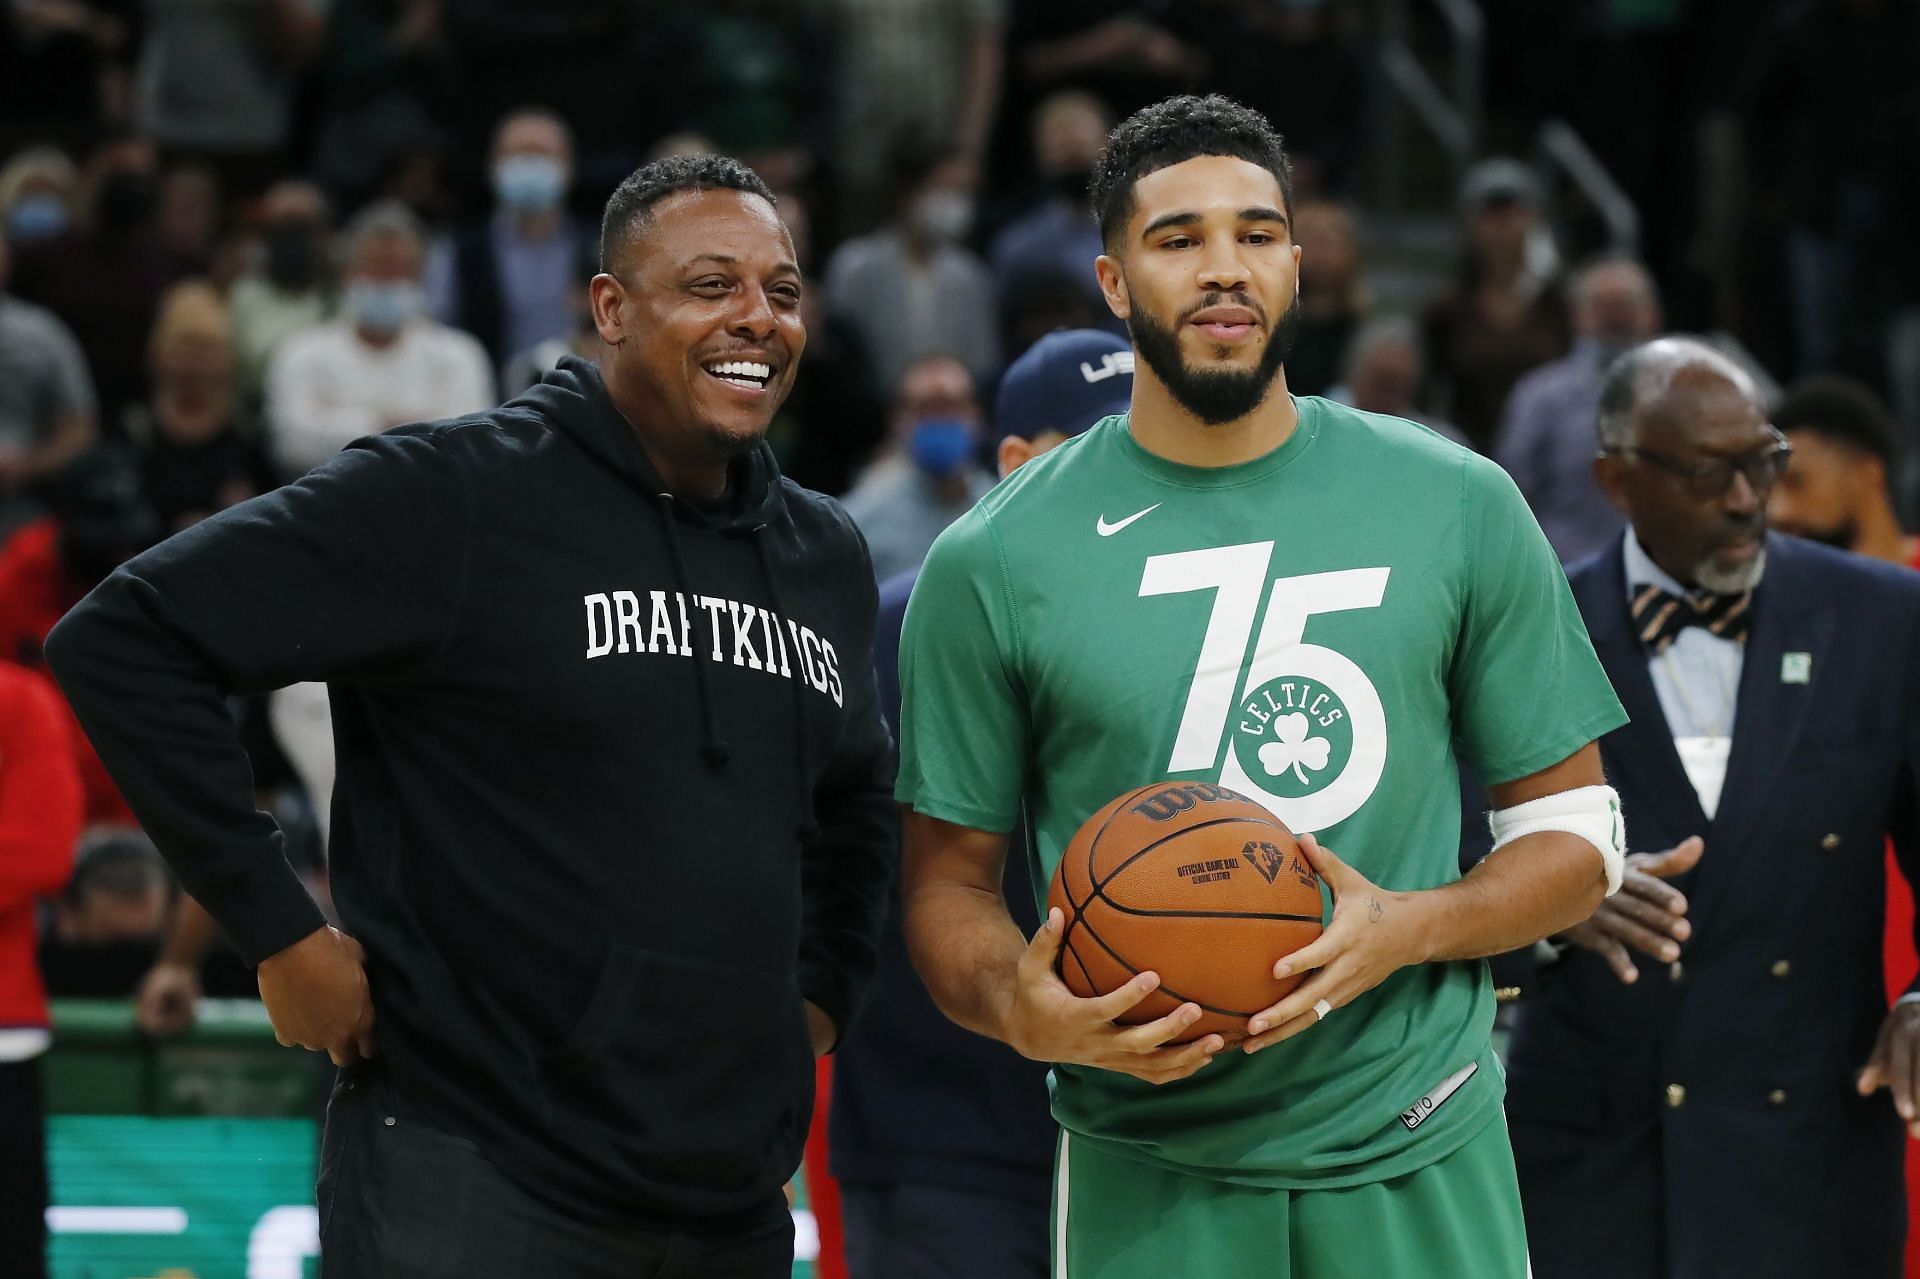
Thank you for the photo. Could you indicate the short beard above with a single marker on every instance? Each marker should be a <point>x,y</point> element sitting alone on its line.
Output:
<point>728,445</point>
<point>1841,537</point>
<point>1730,581</point>
<point>1215,396</point>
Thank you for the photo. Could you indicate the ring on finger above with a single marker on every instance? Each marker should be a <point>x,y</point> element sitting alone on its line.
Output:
<point>1320,1009</point>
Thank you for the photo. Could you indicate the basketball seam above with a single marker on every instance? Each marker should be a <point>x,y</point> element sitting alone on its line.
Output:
<point>1093,849</point>
<point>1162,989</point>
<point>1210,914</point>
<point>1099,885</point>
<point>1081,964</point>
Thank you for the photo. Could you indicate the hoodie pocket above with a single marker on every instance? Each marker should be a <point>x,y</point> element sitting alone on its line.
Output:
<point>685,1072</point>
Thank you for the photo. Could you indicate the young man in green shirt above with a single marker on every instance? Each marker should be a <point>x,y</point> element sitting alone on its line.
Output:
<point>1306,604</point>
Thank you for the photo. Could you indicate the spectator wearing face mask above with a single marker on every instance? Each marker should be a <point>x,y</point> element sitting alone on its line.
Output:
<point>383,363</point>
<point>105,927</point>
<point>1546,434</point>
<point>912,288</point>
<point>512,282</point>
<point>932,473</point>
<point>104,276</point>
<point>36,195</point>
<point>1058,236</point>
<point>292,289</point>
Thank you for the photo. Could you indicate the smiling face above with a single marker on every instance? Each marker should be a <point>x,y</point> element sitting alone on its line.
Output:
<point>701,306</point>
<point>1205,275</point>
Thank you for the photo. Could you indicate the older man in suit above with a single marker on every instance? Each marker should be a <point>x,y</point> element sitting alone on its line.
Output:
<point>1719,1112</point>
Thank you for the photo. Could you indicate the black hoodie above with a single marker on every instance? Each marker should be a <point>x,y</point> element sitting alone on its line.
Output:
<point>614,789</point>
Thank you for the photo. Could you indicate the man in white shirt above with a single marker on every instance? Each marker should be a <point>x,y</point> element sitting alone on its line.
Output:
<point>382,364</point>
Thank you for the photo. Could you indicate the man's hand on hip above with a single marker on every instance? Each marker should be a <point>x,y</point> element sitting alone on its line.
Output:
<point>1646,914</point>
<point>317,996</point>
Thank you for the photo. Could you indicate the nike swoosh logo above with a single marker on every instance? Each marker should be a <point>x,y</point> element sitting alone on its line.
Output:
<point>1105,529</point>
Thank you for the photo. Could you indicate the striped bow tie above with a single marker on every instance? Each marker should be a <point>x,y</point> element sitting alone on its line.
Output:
<point>1659,616</point>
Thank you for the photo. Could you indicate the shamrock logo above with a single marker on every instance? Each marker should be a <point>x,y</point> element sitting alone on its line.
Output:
<point>1293,747</point>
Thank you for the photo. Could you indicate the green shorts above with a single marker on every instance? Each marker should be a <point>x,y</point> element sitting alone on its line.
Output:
<point>1114,1218</point>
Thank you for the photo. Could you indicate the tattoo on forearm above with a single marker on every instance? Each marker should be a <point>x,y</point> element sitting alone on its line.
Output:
<point>1374,909</point>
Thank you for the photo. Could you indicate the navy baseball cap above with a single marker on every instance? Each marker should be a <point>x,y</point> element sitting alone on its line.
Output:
<point>1065,382</point>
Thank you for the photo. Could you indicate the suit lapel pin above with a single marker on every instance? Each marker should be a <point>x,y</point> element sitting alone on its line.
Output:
<point>1796,668</point>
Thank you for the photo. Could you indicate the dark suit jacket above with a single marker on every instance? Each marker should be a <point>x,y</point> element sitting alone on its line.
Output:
<point>1703,1121</point>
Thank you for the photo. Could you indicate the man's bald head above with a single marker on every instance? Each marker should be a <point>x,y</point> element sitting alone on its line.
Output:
<point>1646,379</point>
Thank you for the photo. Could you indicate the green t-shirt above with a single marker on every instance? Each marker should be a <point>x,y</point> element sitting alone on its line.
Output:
<point>1313,629</point>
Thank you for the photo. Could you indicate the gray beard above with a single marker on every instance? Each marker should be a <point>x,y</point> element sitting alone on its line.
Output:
<point>1721,582</point>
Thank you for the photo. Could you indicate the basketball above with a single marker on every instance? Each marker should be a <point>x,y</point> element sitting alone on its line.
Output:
<point>1196,883</point>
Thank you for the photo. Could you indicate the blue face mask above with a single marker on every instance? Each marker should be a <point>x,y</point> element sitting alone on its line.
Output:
<point>383,307</point>
<point>940,446</point>
<point>529,183</point>
<point>37,217</point>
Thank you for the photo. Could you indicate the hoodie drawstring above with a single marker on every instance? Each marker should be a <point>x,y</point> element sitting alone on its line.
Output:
<point>808,829</point>
<point>713,748</point>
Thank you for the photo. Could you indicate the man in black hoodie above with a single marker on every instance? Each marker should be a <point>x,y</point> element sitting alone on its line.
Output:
<point>612,828</point>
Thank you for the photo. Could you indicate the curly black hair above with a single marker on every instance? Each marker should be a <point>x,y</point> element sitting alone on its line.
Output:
<point>1842,410</point>
<point>646,186</point>
<point>1178,129</point>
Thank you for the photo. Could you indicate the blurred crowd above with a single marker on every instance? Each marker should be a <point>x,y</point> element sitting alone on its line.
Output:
<point>235,236</point>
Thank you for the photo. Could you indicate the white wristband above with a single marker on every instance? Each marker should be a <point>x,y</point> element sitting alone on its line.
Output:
<point>1591,812</point>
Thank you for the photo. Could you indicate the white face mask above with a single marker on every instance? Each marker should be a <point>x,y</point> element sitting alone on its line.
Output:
<point>530,183</point>
<point>946,214</point>
<point>384,306</point>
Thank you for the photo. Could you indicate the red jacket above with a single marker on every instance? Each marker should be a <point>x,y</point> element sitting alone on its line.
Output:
<point>40,811</point>
<point>36,591</point>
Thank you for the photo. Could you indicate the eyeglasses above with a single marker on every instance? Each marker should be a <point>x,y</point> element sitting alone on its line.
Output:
<point>1710,479</point>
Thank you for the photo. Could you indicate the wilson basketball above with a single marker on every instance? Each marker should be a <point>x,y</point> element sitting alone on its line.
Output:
<point>1196,883</point>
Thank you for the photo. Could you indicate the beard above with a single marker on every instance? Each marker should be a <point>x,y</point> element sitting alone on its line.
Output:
<point>1730,581</point>
<point>1841,536</point>
<point>1215,396</point>
<point>729,442</point>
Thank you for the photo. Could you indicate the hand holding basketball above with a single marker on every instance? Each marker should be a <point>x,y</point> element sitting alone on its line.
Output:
<point>1048,1022</point>
<point>1374,933</point>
